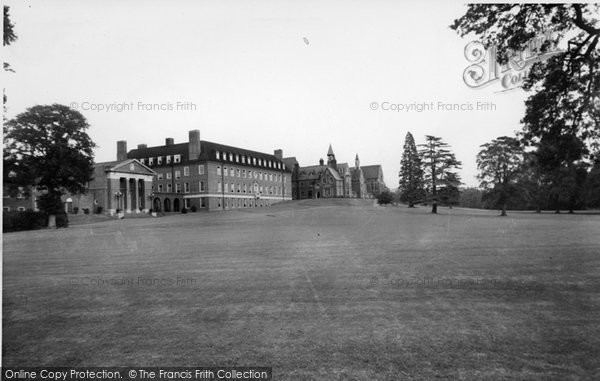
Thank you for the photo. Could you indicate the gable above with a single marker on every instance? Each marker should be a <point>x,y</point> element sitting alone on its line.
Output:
<point>131,166</point>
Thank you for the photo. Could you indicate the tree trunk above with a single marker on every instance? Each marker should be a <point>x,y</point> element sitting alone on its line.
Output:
<point>434,207</point>
<point>503,214</point>
<point>411,205</point>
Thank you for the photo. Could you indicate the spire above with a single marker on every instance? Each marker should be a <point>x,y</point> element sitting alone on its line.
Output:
<point>357,162</point>
<point>330,151</point>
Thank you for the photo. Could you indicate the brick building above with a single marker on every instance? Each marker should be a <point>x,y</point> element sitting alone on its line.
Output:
<point>335,180</point>
<point>211,176</point>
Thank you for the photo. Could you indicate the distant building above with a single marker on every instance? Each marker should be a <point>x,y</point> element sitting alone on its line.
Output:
<point>335,180</point>
<point>211,176</point>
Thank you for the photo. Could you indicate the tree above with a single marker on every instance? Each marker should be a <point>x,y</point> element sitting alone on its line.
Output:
<point>47,149</point>
<point>565,89</point>
<point>9,35</point>
<point>499,163</point>
<point>385,197</point>
<point>439,164</point>
<point>411,188</point>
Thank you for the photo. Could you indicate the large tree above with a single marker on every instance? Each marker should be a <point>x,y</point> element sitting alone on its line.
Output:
<point>499,163</point>
<point>440,166</point>
<point>47,149</point>
<point>411,188</point>
<point>562,109</point>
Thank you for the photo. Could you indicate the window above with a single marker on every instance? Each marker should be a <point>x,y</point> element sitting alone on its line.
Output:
<point>186,187</point>
<point>159,160</point>
<point>218,186</point>
<point>217,155</point>
<point>232,187</point>
<point>244,159</point>
<point>254,161</point>
<point>237,158</point>
<point>159,176</point>
<point>219,171</point>
<point>186,171</point>
<point>201,169</point>
<point>270,176</point>
<point>168,175</point>
<point>225,171</point>
<point>21,209</point>
<point>201,186</point>
<point>177,175</point>
<point>177,159</point>
<point>160,188</point>
<point>230,157</point>
<point>186,202</point>
<point>243,173</point>
<point>168,159</point>
<point>178,188</point>
<point>239,187</point>
<point>231,172</point>
<point>169,187</point>
<point>143,161</point>
<point>151,161</point>
<point>245,187</point>
<point>238,172</point>
<point>260,174</point>
<point>203,202</point>
<point>226,187</point>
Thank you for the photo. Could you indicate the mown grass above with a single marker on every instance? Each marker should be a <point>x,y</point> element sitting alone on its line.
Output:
<point>315,289</point>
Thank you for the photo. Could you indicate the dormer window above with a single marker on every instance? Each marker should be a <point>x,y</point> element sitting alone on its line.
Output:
<point>151,161</point>
<point>159,160</point>
<point>177,159</point>
<point>218,155</point>
<point>169,159</point>
<point>230,157</point>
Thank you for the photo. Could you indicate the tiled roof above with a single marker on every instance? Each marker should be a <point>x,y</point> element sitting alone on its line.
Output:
<point>290,162</point>
<point>314,172</point>
<point>372,171</point>
<point>207,152</point>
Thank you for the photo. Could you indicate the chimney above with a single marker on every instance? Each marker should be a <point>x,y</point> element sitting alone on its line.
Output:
<point>194,145</point>
<point>121,150</point>
<point>142,146</point>
<point>279,154</point>
<point>321,161</point>
<point>169,141</point>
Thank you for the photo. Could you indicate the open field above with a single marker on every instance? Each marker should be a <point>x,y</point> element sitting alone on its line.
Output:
<point>316,289</point>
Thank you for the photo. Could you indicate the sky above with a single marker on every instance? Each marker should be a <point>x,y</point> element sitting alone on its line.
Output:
<point>260,75</point>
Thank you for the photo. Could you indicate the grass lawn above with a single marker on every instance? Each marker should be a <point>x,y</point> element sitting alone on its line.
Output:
<point>334,290</point>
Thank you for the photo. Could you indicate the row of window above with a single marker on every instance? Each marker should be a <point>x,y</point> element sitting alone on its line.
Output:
<point>232,188</point>
<point>238,188</point>
<point>161,159</point>
<point>233,203</point>
<point>242,173</point>
<point>248,160</point>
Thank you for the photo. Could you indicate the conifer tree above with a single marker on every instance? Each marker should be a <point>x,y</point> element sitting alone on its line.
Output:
<point>440,169</point>
<point>411,187</point>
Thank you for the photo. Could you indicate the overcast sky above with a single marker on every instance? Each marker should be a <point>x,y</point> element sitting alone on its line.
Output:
<point>262,75</point>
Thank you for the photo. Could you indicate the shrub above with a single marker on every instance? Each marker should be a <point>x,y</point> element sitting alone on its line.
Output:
<point>184,210</point>
<point>75,209</point>
<point>99,210</point>
<point>194,208</point>
<point>62,221</point>
<point>28,220</point>
<point>86,210</point>
<point>385,197</point>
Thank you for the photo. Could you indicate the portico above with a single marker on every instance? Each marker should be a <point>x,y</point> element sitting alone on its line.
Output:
<point>129,187</point>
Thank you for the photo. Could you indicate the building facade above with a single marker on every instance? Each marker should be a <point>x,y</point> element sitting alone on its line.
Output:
<point>335,180</point>
<point>209,176</point>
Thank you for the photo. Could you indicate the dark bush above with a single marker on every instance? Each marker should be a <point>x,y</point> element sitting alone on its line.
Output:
<point>86,210</point>
<point>184,210</point>
<point>194,208</point>
<point>385,197</point>
<point>62,221</point>
<point>98,210</point>
<point>75,209</point>
<point>28,220</point>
